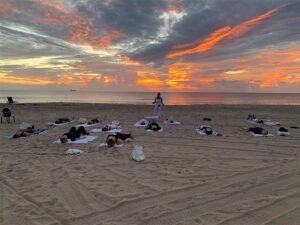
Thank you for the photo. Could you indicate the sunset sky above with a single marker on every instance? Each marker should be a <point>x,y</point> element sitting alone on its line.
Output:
<point>151,45</point>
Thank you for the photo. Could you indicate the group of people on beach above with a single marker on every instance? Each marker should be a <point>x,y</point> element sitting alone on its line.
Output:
<point>118,138</point>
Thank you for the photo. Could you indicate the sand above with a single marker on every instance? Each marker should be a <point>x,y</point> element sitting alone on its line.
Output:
<point>186,178</point>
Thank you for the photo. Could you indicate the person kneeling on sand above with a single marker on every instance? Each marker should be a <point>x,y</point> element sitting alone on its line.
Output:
<point>118,138</point>
<point>73,134</point>
<point>27,132</point>
<point>257,130</point>
<point>153,125</point>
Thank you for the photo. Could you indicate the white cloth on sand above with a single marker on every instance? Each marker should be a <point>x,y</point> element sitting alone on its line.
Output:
<point>272,123</point>
<point>139,123</point>
<point>138,154</point>
<point>280,133</point>
<point>110,131</point>
<point>171,121</point>
<point>73,151</point>
<point>203,133</point>
<point>86,125</point>
<point>261,135</point>
<point>84,140</point>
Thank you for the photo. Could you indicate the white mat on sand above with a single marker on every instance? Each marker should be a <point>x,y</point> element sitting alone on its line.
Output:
<point>251,121</point>
<point>138,123</point>
<point>85,140</point>
<point>261,135</point>
<point>280,133</point>
<point>161,130</point>
<point>110,131</point>
<point>105,145</point>
<point>87,125</point>
<point>272,123</point>
<point>203,133</point>
<point>43,132</point>
<point>174,122</point>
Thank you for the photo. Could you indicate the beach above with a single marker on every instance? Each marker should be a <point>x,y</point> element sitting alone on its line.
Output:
<point>186,178</point>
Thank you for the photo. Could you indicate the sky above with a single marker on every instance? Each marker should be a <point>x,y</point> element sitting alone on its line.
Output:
<point>151,45</point>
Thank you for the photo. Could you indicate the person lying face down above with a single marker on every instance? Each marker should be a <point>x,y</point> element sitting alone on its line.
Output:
<point>93,121</point>
<point>62,120</point>
<point>206,129</point>
<point>27,132</point>
<point>73,134</point>
<point>257,130</point>
<point>153,125</point>
<point>118,138</point>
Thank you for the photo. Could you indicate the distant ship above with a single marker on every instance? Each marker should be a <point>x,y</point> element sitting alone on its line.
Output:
<point>72,90</point>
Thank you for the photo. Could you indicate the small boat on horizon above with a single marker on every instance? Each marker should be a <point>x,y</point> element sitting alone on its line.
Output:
<point>72,90</point>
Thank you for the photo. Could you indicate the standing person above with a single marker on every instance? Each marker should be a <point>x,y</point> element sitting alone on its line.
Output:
<point>158,101</point>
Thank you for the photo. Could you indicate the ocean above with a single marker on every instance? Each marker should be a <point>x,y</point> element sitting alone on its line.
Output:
<point>170,98</point>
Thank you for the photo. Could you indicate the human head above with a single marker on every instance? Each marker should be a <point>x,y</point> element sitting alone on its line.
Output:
<point>57,121</point>
<point>64,139</point>
<point>17,134</point>
<point>158,94</point>
<point>264,132</point>
<point>104,129</point>
<point>111,141</point>
<point>208,130</point>
<point>154,127</point>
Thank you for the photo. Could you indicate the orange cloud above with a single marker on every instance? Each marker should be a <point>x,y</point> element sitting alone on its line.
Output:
<point>176,6</point>
<point>6,8</point>
<point>151,81</point>
<point>78,66</point>
<point>226,32</point>
<point>107,80</point>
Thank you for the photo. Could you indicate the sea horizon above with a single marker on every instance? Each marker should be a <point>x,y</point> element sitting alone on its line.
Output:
<point>146,98</point>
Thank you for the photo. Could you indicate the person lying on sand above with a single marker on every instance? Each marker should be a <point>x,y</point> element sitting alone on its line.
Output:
<point>62,120</point>
<point>118,138</point>
<point>257,130</point>
<point>93,121</point>
<point>253,118</point>
<point>111,126</point>
<point>206,129</point>
<point>73,134</point>
<point>28,132</point>
<point>153,125</point>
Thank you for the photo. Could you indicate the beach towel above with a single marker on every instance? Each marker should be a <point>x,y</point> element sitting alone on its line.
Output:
<point>281,133</point>
<point>42,132</point>
<point>85,140</point>
<point>105,145</point>
<point>261,135</point>
<point>251,121</point>
<point>73,151</point>
<point>203,133</point>
<point>86,125</point>
<point>82,120</point>
<point>110,131</point>
<point>161,130</point>
<point>138,123</point>
<point>169,121</point>
<point>272,123</point>
<point>137,154</point>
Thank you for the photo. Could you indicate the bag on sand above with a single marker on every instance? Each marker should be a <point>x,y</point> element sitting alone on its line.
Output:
<point>82,120</point>
<point>138,154</point>
<point>24,126</point>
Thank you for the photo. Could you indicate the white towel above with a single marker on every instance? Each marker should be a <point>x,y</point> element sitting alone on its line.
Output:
<point>280,133</point>
<point>251,121</point>
<point>161,130</point>
<point>174,122</point>
<point>110,131</point>
<point>74,151</point>
<point>105,144</point>
<point>138,123</point>
<point>261,135</point>
<point>86,125</point>
<point>203,133</point>
<point>271,123</point>
<point>85,140</point>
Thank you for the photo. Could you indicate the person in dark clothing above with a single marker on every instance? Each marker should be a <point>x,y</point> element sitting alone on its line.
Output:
<point>62,120</point>
<point>93,121</point>
<point>206,129</point>
<point>27,132</point>
<point>257,130</point>
<point>153,125</point>
<point>73,134</point>
<point>118,138</point>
